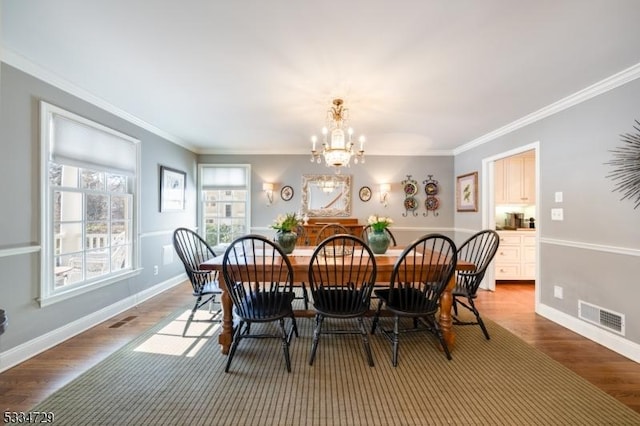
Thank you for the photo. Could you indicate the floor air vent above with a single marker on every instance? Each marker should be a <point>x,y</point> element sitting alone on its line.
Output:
<point>599,316</point>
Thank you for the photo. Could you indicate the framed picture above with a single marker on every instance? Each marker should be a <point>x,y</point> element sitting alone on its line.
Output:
<point>173,185</point>
<point>365,193</point>
<point>467,192</point>
<point>286,193</point>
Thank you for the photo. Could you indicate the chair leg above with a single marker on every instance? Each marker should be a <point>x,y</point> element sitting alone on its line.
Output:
<point>365,342</point>
<point>395,341</point>
<point>376,318</point>
<point>435,329</point>
<point>285,345</point>
<point>478,319</point>
<point>190,319</point>
<point>294,325</point>
<point>316,338</point>
<point>234,345</point>
<point>305,296</point>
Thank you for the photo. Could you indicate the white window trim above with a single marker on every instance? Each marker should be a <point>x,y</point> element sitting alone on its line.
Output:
<point>47,295</point>
<point>201,225</point>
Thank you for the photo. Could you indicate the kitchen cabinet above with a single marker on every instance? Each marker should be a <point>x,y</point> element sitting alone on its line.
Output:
<point>516,256</point>
<point>515,179</point>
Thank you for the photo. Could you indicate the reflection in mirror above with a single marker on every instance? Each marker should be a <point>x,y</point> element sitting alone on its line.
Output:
<point>326,195</point>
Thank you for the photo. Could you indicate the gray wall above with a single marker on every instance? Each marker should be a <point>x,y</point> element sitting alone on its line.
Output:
<point>20,212</point>
<point>288,170</point>
<point>594,253</point>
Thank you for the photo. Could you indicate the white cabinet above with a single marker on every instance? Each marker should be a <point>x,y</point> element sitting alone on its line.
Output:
<point>515,179</point>
<point>516,256</point>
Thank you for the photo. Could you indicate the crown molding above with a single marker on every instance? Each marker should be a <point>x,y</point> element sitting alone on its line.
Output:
<point>25,65</point>
<point>603,86</point>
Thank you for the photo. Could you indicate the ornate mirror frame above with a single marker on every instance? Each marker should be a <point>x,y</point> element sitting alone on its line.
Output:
<point>316,202</point>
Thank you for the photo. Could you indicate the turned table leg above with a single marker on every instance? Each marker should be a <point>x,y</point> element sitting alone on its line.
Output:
<point>445,320</point>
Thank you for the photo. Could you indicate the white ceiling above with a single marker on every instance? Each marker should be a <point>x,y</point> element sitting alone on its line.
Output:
<point>257,76</point>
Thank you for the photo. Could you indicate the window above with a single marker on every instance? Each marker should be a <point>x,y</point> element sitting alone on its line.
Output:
<point>89,198</point>
<point>225,202</point>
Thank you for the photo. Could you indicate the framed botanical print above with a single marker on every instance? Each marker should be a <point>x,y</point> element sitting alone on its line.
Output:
<point>173,185</point>
<point>467,192</point>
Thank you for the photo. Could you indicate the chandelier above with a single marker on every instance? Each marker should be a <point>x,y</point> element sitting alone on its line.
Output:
<point>336,151</point>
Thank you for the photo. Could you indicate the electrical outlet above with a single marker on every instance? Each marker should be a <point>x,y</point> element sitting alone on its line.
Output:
<point>557,292</point>
<point>557,214</point>
<point>155,269</point>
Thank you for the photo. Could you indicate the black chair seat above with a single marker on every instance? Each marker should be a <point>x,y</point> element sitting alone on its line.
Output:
<point>339,303</point>
<point>212,287</point>
<point>406,302</point>
<point>266,307</point>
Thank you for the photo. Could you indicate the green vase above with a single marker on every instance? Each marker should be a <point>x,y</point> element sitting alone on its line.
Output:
<point>287,241</point>
<point>378,241</point>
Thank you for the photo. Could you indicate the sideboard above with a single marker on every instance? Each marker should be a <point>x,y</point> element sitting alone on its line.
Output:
<point>314,225</point>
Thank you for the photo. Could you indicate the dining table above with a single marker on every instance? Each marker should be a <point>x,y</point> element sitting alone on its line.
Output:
<point>300,259</point>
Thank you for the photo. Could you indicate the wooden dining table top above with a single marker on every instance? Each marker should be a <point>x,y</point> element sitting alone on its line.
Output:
<point>301,257</point>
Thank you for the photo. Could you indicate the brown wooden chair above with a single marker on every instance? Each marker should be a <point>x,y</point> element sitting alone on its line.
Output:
<point>341,294</point>
<point>479,249</point>
<point>192,251</point>
<point>262,293</point>
<point>329,230</point>
<point>418,279</point>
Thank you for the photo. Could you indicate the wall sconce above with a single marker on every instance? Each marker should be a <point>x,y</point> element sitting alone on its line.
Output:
<point>385,188</point>
<point>267,187</point>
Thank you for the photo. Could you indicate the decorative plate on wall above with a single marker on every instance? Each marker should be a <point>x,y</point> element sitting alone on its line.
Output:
<point>365,193</point>
<point>286,193</point>
<point>431,203</point>
<point>410,186</point>
<point>410,203</point>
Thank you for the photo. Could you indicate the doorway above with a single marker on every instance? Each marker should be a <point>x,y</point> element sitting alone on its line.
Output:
<point>492,212</point>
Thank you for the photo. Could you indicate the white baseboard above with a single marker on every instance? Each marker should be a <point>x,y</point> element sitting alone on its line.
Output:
<point>603,337</point>
<point>23,352</point>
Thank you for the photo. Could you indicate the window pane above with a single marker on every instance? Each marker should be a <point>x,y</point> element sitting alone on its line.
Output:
<point>97,263</point>
<point>120,258</point>
<point>67,206</point>
<point>120,207</point>
<point>68,270</point>
<point>116,183</point>
<point>97,235</point>
<point>97,207</point>
<point>55,174</point>
<point>92,180</point>
<point>120,233</point>
<point>68,239</point>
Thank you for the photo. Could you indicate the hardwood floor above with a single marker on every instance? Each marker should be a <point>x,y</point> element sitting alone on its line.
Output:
<point>511,306</point>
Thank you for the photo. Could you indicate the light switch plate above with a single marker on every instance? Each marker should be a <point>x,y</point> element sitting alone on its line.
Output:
<point>558,197</point>
<point>557,214</point>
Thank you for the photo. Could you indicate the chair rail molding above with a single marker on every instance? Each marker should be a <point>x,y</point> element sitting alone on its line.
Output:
<point>590,246</point>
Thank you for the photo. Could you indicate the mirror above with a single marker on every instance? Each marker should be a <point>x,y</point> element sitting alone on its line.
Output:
<point>326,195</point>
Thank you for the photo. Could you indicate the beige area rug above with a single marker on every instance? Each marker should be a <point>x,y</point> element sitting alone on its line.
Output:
<point>161,378</point>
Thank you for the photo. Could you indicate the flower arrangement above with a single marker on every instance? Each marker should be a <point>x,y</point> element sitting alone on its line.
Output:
<point>379,223</point>
<point>286,222</point>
